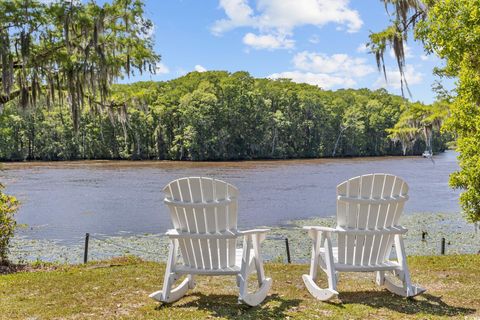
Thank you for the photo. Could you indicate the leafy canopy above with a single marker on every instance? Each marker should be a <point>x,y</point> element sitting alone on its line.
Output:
<point>71,49</point>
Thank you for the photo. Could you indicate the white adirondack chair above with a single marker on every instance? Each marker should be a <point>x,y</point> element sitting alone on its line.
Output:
<point>204,215</point>
<point>368,211</point>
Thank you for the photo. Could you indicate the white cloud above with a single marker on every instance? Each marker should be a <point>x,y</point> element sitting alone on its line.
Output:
<point>200,68</point>
<point>161,68</point>
<point>268,41</point>
<point>282,17</point>
<point>337,70</point>
<point>393,78</point>
<point>325,81</point>
<point>288,14</point>
<point>239,14</point>
<point>406,49</point>
<point>362,48</point>
<point>424,57</point>
<point>337,63</point>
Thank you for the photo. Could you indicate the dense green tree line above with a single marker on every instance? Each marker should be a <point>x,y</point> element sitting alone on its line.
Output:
<point>212,116</point>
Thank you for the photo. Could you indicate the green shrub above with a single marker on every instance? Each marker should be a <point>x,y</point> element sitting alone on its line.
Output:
<point>8,207</point>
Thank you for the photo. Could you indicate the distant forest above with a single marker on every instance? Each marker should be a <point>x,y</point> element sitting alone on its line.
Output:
<point>218,115</point>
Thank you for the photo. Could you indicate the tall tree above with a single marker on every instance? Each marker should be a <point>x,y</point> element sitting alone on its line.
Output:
<point>70,50</point>
<point>450,30</point>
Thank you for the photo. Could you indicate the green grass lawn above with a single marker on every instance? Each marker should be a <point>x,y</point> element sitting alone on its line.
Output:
<point>119,288</point>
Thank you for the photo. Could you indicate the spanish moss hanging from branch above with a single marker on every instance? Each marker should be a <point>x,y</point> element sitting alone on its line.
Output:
<point>406,13</point>
<point>71,49</point>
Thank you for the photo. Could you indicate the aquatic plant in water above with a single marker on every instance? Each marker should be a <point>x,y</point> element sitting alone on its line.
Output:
<point>460,236</point>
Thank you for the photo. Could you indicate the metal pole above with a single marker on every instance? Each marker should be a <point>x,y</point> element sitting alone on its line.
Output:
<point>288,250</point>
<point>442,248</point>
<point>85,253</point>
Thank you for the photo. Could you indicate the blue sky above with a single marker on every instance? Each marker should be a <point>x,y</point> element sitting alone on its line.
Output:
<point>315,41</point>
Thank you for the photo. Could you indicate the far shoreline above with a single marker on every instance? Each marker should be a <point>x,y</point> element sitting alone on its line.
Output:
<point>13,164</point>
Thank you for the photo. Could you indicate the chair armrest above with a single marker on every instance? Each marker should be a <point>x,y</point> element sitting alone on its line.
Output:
<point>354,231</point>
<point>261,234</point>
<point>174,234</point>
<point>253,231</point>
<point>362,232</point>
<point>320,231</point>
<point>320,228</point>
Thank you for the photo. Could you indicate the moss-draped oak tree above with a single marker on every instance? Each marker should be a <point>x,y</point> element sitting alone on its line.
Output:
<point>71,51</point>
<point>67,52</point>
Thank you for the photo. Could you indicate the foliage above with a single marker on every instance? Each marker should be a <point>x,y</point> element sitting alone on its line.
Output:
<point>419,121</point>
<point>211,116</point>
<point>451,30</point>
<point>70,51</point>
<point>8,207</point>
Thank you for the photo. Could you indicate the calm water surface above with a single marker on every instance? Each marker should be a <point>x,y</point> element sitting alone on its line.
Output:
<point>63,200</point>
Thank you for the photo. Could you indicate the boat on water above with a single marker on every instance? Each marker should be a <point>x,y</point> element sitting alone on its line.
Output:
<point>427,154</point>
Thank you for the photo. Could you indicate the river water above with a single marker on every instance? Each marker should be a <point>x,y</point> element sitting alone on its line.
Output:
<point>63,200</point>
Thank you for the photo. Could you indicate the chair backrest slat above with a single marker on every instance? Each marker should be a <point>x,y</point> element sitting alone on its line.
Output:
<point>342,221</point>
<point>366,185</point>
<point>204,206</point>
<point>370,239</point>
<point>368,202</point>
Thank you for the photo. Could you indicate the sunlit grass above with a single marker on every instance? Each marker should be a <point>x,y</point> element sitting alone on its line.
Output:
<point>119,288</point>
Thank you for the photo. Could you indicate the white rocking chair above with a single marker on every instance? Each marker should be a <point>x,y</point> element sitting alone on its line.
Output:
<point>368,210</point>
<point>204,215</point>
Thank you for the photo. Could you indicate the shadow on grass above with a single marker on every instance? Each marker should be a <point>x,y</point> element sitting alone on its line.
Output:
<point>226,306</point>
<point>424,303</point>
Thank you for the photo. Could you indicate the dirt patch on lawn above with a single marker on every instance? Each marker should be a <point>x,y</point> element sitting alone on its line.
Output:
<point>9,267</point>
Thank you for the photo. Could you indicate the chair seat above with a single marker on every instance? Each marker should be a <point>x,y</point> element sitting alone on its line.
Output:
<point>386,265</point>
<point>182,269</point>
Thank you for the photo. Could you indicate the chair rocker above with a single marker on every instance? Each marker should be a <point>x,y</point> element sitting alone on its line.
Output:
<point>368,211</point>
<point>204,238</point>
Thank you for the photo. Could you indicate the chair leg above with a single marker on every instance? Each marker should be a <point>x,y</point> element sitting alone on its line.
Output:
<point>332,276</point>
<point>191,281</point>
<point>380,278</point>
<point>167,294</point>
<point>407,289</point>
<point>309,279</point>
<point>314,260</point>
<point>247,244</point>
<point>253,299</point>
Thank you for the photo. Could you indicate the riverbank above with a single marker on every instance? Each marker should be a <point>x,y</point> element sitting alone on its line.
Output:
<point>119,288</point>
<point>460,236</point>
